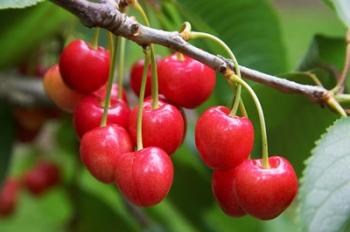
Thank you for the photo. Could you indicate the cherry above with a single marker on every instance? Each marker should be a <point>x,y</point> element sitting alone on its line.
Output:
<point>163,127</point>
<point>42,177</point>
<point>83,68</point>
<point>101,93</point>
<point>136,78</point>
<point>187,83</point>
<point>64,97</point>
<point>224,192</point>
<point>223,141</point>
<point>265,192</point>
<point>8,197</point>
<point>89,111</point>
<point>100,148</point>
<point>144,176</point>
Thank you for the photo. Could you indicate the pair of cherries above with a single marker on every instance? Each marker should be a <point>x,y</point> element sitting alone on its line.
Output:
<point>143,176</point>
<point>241,185</point>
<point>41,178</point>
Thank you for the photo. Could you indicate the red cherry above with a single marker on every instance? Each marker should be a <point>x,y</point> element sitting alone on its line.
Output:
<point>41,178</point>
<point>64,97</point>
<point>100,148</point>
<point>101,93</point>
<point>84,68</point>
<point>136,78</point>
<point>88,113</point>
<point>144,176</point>
<point>265,192</point>
<point>224,192</point>
<point>223,141</point>
<point>8,197</point>
<point>187,83</point>
<point>163,127</point>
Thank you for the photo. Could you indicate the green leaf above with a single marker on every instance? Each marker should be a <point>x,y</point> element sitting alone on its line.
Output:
<point>7,139</point>
<point>324,52</point>
<point>342,7</point>
<point>249,27</point>
<point>4,4</point>
<point>20,33</point>
<point>324,195</point>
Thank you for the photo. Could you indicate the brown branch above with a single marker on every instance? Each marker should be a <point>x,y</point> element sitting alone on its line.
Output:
<point>23,91</point>
<point>106,14</point>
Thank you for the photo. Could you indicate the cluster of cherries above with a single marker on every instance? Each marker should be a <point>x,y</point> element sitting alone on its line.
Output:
<point>41,178</point>
<point>240,185</point>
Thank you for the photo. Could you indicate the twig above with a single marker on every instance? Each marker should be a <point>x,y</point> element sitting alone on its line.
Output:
<point>106,15</point>
<point>23,91</point>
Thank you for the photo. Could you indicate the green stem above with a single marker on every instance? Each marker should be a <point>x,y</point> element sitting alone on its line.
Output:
<point>155,96</point>
<point>121,62</point>
<point>333,104</point>
<point>265,152</point>
<point>141,100</point>
<point>242,109</point>
<point>95,38</point>
<point>110,80</point>
<point>342,98</point>
<point>196,35</point>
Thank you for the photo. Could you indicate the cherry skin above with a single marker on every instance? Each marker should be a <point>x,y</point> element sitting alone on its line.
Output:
<point>265,192</point>
<point>83,68</point>
<point>136,78</point>
<point>223,188</point>
<point>223,141</point>
<point>100,148</point>
<point>163,127</point>
<point>89,111</point>
<point>101,93</point>
<point>41,178</point>
<point>144,176</point>
<point>187,83</point>
<point>64,97</point>
<point>8,197</point>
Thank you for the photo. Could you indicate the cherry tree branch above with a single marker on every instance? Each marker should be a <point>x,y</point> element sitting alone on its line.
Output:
<point>106,14</point>
<point>23,91</point>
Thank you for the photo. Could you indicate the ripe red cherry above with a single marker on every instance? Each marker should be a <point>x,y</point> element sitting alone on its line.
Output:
<point>223,141</point>
<point>88,113</point>
<point>163,127</point>
<point>144,176</point>
<point>100,148</point>
<point>187,83</point>
<point>84,68</point>
<point>64,97</point>
<point>8,197</point>
<point>101,93</point>
<point>265,192</point>
<point>41,178</point>
<point>224,192</point>
<point>136,78</point>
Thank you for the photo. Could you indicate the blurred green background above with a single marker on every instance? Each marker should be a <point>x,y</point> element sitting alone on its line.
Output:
<point>270,36</point>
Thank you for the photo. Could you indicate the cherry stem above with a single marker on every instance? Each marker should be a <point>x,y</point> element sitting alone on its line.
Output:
<point>155,95</point>
<point>333,104</point>
<point>340,85</point>
<point>237,100</point>
<point>95,38</point>
<point>342,98</point>
<point>265,152</point>
<point>141,100</point>
<point>121,62</point>
<point>110,80</point>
